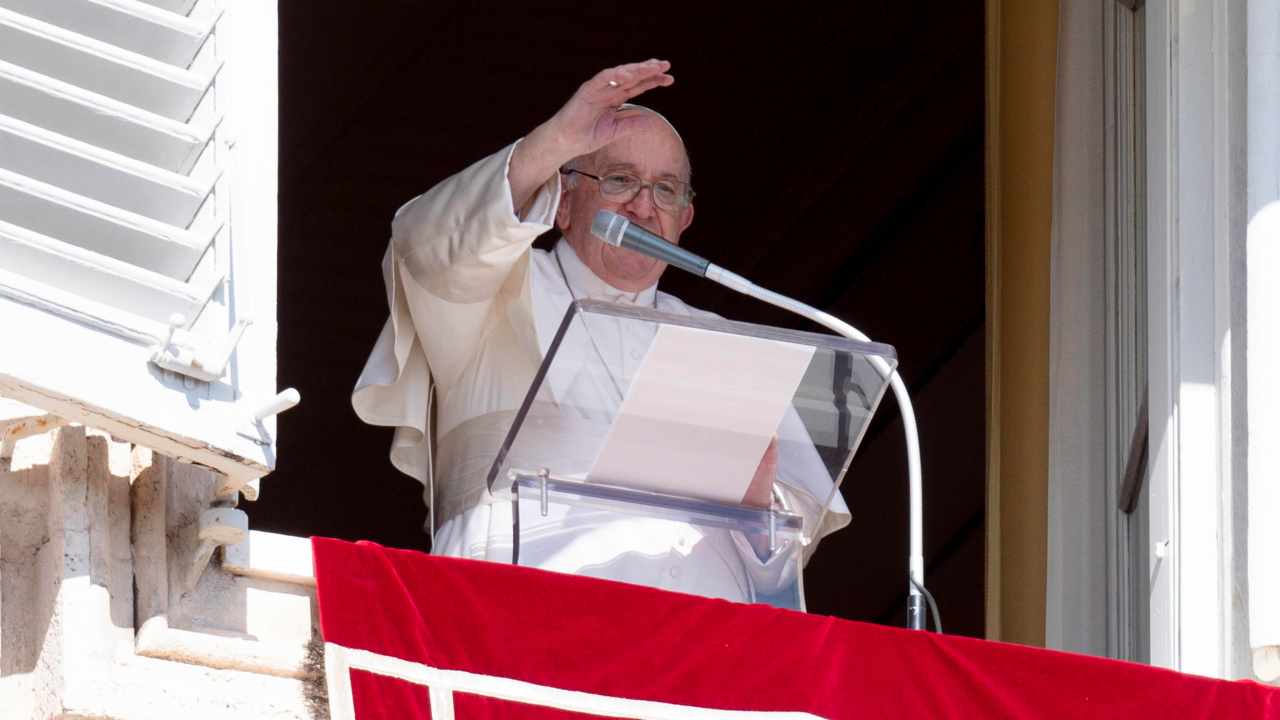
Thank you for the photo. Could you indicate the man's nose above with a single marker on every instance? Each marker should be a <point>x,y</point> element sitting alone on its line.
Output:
<point>641,206</point>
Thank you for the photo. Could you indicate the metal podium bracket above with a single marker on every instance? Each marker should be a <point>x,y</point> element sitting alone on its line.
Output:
<point>729,515</point>
<point>544,501</point>
<point>773,531</point>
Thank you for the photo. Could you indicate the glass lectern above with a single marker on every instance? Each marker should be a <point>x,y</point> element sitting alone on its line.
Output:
<point>692,453</point>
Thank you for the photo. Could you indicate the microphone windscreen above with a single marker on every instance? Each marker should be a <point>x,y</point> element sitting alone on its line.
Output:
<point>609,227</point>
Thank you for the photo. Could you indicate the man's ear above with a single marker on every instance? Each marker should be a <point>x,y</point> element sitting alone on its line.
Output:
<point>687,218</point>
<point>563,209</point>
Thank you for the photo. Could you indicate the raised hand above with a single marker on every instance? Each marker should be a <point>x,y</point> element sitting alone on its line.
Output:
<point>587,122</point>
<point>590,119</point>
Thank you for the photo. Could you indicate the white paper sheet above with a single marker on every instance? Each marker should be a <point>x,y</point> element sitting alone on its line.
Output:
<point>700,413</point>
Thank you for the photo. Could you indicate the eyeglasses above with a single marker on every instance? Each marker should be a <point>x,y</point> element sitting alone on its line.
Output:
<point>622,187</point>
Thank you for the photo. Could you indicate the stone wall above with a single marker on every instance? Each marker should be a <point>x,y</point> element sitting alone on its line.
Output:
<point>106,610</point>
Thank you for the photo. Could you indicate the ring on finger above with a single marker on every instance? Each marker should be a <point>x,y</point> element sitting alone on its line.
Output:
<point>613,83</point>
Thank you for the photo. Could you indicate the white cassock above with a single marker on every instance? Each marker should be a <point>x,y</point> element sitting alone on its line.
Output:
<point>474,309</point>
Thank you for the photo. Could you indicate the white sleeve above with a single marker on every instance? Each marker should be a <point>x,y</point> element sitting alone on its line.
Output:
<point>458,245</point>
<point>452,250</point>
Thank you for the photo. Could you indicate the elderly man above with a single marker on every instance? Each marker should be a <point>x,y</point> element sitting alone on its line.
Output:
<point>474,308</point>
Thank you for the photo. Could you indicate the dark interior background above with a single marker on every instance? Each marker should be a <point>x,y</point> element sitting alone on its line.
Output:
<point>837,152</point>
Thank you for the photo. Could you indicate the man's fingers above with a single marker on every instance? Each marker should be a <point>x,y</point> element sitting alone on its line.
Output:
<point>626,77</point>
<point>631,71</point>
<point>621,94</point>
<point>616,85</point>
<point>648,84</point>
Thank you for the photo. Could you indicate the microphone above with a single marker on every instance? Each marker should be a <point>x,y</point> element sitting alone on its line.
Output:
<point>621,232</point>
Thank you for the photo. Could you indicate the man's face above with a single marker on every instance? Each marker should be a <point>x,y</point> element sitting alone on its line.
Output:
<point>652,154</point>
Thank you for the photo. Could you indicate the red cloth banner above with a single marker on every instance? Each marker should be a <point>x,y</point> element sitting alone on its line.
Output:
<point>410,635</point>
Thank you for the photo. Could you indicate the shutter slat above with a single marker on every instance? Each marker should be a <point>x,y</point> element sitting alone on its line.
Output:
<point>99,174</point>
<point>138,27</point>
<point>99,120</point>
<point>100,67</point>
<point>87,223</point>
<point>181,7</point>
<point>96,277</point>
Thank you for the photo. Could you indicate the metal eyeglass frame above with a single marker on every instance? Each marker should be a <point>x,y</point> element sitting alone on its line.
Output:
<point>688,195</point>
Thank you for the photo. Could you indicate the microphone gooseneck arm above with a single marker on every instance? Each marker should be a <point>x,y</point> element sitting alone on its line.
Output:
<point>915,562</point>
<point>617,230</point>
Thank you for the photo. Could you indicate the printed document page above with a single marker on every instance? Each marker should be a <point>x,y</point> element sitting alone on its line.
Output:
<point>700,413</point>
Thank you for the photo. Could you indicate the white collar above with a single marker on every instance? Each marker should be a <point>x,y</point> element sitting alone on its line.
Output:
<point>583,283</point>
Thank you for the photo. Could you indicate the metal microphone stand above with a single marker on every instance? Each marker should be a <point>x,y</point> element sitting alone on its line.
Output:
<point>915,560</point>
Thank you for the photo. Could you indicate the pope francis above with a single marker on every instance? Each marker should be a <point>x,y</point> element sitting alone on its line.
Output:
<point>473,309</point>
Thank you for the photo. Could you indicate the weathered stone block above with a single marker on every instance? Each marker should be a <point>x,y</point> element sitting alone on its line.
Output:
<point>95,619</point>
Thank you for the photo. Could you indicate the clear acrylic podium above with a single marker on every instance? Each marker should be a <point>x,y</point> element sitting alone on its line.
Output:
<point>589,456</point>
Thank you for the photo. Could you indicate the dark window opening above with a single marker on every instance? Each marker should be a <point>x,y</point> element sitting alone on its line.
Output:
<point>838,156</point>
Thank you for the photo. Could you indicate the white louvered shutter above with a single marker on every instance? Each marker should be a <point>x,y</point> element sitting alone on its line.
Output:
<point>138,184</point>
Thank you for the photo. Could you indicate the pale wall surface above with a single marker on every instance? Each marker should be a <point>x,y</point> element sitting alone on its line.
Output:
<point>84,520</point>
